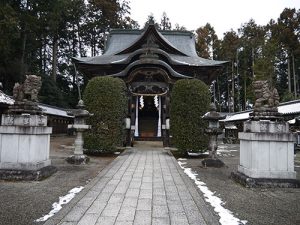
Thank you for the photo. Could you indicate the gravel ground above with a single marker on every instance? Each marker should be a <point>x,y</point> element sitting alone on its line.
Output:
<point>280,206</point>
<point>23,202</point>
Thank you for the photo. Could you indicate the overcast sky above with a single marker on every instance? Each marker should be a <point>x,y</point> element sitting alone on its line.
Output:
<point>223,15</point>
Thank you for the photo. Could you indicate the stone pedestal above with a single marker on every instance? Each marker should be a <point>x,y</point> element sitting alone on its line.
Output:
<point>266,153</point>
<point>24,147</point>
<point>78,157</point>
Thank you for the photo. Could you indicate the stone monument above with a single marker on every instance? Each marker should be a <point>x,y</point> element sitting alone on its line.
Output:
<point>24,136</point>
<point>266,145</point>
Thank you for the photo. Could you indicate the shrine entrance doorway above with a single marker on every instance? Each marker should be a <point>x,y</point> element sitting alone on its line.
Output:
<point>148,116</point>
<point>149,88</point>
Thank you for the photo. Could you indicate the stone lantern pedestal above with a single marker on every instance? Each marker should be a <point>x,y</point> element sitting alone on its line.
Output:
<point>79,126</point>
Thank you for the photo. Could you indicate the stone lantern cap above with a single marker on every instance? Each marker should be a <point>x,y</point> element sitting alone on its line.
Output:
<point>80,111</point>
<point>213,115</point>
<point>80,114</point>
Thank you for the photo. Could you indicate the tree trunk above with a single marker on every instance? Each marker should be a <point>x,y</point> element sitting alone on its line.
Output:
<point>41,56</point>
<point>232,90</point>
<point>253,75</point>
<point>289,75</point>
<point>22,62</point>
<point>54,58</point>
<point>294,76</point>
<point>44,55</point>
<point>228,91</point>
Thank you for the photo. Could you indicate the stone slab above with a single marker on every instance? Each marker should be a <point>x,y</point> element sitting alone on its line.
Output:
<point>263,182</point>
<point>132,200</point>
<point>267,155</point>
<point>23,120</point>
<point>24,147</point>
<point>27,175</point>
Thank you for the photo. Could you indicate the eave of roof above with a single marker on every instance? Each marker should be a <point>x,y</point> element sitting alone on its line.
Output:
<point>5,99</point>
<point>120,53</point>
<point>286,108</point>
<point>154,62</point>
<point>125,59</point>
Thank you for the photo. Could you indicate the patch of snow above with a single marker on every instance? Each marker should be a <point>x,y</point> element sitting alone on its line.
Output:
<point>194,153</point>
<point>226,216</point>
<point>182,159</point>
<point>57,206</point>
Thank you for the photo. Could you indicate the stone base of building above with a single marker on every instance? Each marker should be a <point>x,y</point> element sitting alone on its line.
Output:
<point>250,182</point>
<point>27,175</point>
<point>78,159</point>
<point>217,163</point>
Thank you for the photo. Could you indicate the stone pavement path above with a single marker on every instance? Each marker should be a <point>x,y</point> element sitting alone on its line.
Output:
<point>144,185</point>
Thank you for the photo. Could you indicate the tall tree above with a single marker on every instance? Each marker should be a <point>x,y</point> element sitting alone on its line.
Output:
<point>289,23</point>
<point>165,23</point>
<point>206,41</point>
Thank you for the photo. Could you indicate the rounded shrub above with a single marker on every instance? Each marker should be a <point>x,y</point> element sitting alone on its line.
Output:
<point>190,100</point>
<point>106,98</point>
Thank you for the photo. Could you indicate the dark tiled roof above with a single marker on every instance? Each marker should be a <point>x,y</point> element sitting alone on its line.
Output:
<point>182,43</point>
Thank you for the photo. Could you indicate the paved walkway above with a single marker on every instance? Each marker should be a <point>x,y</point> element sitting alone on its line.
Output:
<point>144,185</point>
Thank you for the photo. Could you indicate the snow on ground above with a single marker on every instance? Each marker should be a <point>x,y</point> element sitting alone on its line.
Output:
<point>56,206</point>
<point>222,150</point>
<point>226,216</point>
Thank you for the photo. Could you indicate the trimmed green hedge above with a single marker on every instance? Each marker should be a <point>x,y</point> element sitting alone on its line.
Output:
<point>106,98</point>
<point>190,100</point>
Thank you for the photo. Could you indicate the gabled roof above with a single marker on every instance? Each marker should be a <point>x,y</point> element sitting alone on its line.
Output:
<point>5,99</point>
<point>121,43</point>
<point>180,42</point>
<point>124,47</point>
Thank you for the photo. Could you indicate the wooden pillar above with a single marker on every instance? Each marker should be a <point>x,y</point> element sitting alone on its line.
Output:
<point>129,115</point>
<point>136,132</point>
<point>159,116</point>
<point>132,120</point>
<point>164,112</point>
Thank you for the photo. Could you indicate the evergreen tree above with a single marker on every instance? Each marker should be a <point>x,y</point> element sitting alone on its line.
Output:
<point>165,23</point>
<point>206,41</point>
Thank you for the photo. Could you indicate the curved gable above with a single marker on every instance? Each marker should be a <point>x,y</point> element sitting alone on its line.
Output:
<point>150,37</point>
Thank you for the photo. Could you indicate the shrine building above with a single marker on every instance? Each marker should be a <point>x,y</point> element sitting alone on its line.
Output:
<point>149,61</point>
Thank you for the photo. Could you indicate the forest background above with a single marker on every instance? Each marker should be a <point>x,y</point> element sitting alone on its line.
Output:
<point>41,37</point>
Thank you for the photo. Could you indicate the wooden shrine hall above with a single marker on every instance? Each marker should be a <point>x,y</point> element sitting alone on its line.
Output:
<point>149,61</point>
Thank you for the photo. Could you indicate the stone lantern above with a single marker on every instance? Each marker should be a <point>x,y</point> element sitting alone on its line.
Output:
<point>213,131</point>
<point>80,116</point>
